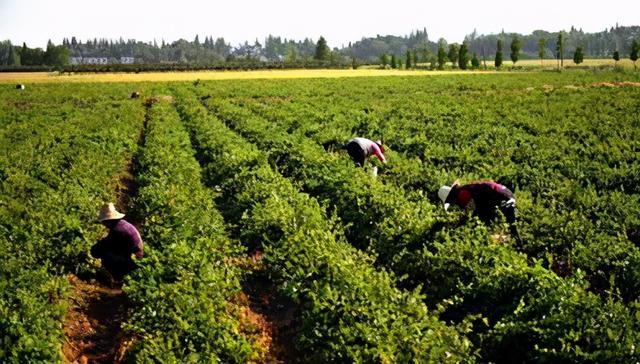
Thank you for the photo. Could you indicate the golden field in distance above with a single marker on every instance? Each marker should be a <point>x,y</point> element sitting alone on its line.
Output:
<point>364,71</point>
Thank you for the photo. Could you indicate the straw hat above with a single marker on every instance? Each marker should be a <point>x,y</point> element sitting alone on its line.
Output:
<point>443,193</point>
<point>109,212</point>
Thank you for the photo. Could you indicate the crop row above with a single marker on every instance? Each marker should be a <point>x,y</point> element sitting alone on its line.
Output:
<point>56,166</point>
<point>350,311</point>
<point>494,285</point>
<point>180,294</point>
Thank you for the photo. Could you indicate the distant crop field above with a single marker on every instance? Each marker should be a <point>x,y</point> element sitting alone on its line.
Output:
<point>568,63</point>
<point>44,77</point>
<point>244,183</point>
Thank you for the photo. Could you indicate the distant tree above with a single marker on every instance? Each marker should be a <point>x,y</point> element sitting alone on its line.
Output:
<point>14,57</point>
<point>49,53</point>
<point>408,57</point>
<point>475,62</point>
<point>635,49</point>
<point>291,53</point>
<point>616,57</point>
<point>433,62</point>
<point>323,53</point>
<point>384,60</point>
<point>196,41</point>
<point>498,60</point>
<point>453,54</point>
<point>442,56</point>
<point>414,58</point>
<point>24,54</point>
<point>560,49</point>
<point>515,50</point>
<point>394,61</point>
<point>425,54</point>
<point>578,57</point>
<point>463,56</point>
<point>542,43</point>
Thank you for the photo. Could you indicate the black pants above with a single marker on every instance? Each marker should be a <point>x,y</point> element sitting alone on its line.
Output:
<point>356,153</point>
<point>117,265</point>
<point>509,212</point>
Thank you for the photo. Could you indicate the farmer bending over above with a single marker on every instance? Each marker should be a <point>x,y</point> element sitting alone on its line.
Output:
<point>484,199</point>
<point>116,249</point>
<point>360,149</point>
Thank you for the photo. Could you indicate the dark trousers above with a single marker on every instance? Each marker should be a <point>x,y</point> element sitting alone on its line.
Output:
<point>356,153</point>
<point>509,211</point>
<point>117,265</point>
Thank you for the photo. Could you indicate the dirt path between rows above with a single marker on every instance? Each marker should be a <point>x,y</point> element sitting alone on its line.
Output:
<point>267,318</point>
<point>98,307</point>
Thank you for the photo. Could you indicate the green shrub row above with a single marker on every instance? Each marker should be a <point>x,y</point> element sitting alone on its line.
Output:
<point>350,311</point>
<point>57,165</point>
<point>180,293</point>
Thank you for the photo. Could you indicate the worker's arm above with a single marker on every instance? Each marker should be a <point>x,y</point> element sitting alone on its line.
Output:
<point>378,153</point>
<point>137,246</point>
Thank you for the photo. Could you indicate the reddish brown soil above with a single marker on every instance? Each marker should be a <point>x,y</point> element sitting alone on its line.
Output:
<point>267,319</point>
<point>92,326</point>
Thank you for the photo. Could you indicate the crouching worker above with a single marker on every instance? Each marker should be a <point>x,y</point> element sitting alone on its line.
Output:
<point>484,199</point>
<point>117,248</point>
<point>360,149</point>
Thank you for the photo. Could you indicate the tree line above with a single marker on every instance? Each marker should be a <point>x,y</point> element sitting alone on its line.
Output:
<point>459,55</point>
<point>415,48</point>
<point>181,53</point>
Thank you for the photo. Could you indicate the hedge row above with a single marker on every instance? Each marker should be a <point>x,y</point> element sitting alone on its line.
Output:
<point>181,291</point>
<point>56,167</point>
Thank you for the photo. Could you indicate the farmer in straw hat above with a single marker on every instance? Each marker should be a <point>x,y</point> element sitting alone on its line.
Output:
<point>117,248</point>
<point>484,199</point>
<point>360,149</point>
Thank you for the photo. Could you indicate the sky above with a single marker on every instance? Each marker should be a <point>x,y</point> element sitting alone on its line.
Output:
<point>36,21</point>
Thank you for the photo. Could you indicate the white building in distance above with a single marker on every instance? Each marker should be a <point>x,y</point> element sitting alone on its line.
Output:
<point>100,60</point>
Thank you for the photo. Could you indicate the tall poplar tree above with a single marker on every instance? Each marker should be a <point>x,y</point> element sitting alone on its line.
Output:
<point>541,49</point>
<point>498,60</point>
<point>463,56</point>
<point>322,50</point>
<point>442,56</point>
<point>635,49</point>
<point>453,54</point>
<point>515,50</point>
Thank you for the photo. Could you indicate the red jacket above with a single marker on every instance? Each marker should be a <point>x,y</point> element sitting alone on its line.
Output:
<point>486,195</point>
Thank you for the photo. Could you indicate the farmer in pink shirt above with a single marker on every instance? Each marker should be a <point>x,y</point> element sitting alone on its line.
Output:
<point>360,149</point>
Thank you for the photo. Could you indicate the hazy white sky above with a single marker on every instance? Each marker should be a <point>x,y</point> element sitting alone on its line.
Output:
<point>35,21</point>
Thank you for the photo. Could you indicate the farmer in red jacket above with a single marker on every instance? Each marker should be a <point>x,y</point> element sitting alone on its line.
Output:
<point>484,199</point>
<point>360,149</point>
<point>117,248</point>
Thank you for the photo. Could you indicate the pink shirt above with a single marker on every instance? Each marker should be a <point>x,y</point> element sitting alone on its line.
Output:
<point>370,148</point>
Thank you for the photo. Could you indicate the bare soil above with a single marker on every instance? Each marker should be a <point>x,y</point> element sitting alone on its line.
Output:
<point>92,326</point>
<point>268,319</point>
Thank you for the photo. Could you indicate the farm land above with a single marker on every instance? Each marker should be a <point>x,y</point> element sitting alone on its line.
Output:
<point>264,244</point>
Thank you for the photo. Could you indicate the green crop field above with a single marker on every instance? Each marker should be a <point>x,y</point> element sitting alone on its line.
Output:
<point>372,269</point>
